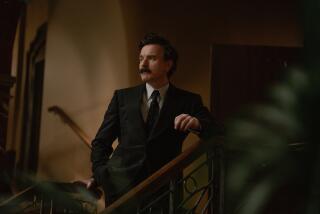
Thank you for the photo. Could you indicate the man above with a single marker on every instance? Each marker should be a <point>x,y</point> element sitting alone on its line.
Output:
<point>150,121</point>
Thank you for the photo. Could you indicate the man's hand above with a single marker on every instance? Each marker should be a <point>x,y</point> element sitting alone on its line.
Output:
<point>185,122</point>
<point>91,186</point>
<point>88,183</point>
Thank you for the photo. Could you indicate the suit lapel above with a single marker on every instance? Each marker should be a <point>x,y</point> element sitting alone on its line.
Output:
<point>167,113</point>
<point>134,100</point>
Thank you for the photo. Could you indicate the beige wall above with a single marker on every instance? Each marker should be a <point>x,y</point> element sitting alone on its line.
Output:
<point>91,50</point>
<point>86,60</point>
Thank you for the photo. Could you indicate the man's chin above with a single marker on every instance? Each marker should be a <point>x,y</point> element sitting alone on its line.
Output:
<point>144,78</point>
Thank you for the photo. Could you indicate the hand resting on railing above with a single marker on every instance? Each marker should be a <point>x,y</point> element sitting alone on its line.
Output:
<point>91,185</point>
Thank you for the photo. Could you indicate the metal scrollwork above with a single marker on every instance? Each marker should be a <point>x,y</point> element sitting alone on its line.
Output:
<point>198,196</point>
<point>194,183</point>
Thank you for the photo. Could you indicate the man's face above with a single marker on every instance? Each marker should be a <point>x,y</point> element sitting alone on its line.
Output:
<point>153,67</point>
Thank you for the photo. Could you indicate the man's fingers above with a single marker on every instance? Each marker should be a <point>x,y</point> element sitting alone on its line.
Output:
<point>178,120</point>
<point>181,122</point>
<point>90,183</point>
<point>184,122</point>
<point>190,123</point>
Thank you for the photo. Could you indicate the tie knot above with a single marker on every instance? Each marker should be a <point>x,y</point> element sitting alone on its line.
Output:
<point>155,94</point>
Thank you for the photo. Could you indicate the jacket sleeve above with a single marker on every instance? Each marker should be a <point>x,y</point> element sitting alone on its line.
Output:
<point>102,143</point>
<point>209,126</point>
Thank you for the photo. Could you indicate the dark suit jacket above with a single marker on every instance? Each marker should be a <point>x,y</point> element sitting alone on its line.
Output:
<point>137,155</point>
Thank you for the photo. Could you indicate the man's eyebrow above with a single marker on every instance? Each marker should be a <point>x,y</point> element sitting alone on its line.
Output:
<point>148,55</point>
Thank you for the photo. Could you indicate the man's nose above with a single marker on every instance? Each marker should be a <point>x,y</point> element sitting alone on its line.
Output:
<point>144,62</point>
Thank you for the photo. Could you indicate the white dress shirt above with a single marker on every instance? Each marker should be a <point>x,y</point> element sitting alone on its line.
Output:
<point>146,99</point>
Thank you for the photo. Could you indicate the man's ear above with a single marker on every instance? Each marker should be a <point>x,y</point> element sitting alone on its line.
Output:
<point>169,64</point>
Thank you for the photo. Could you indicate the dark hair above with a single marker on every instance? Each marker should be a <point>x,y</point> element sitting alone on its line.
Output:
<point>169,51</point>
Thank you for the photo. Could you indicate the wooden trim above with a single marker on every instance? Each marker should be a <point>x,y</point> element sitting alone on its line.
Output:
<point>7,80</point>
<point>32,102</point>
<point>66,119</point>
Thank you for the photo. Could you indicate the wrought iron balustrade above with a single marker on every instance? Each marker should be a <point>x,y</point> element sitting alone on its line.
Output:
<point>166,191</point>
<point>196,192</point>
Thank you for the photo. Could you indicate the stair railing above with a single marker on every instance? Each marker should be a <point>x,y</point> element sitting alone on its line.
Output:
<point>65,118</point>
<point>208,198</point>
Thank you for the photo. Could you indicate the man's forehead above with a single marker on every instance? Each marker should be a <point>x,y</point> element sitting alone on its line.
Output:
<point>152,49</point>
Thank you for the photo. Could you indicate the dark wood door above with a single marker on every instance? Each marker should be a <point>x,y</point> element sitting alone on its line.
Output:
<point>242,74</point>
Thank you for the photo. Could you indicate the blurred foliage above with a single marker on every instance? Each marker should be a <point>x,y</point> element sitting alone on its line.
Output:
<point>266,149</point>
<point>265,174</point>
<point>46,197</point>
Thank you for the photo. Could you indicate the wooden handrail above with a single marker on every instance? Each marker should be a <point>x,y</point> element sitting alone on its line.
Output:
<point>65,118</point>
<point>163,175</point>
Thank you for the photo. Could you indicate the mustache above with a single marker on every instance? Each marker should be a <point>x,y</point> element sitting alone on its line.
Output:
<point>144,70</point>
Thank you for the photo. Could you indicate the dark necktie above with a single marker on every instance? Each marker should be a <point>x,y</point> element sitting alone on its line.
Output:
<point>153,111</point>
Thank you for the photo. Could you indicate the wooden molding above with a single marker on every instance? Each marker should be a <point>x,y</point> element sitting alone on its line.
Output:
<point>7,80</point>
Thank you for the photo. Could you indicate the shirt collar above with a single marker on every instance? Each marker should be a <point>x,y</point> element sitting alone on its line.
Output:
<point>163,90</point>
